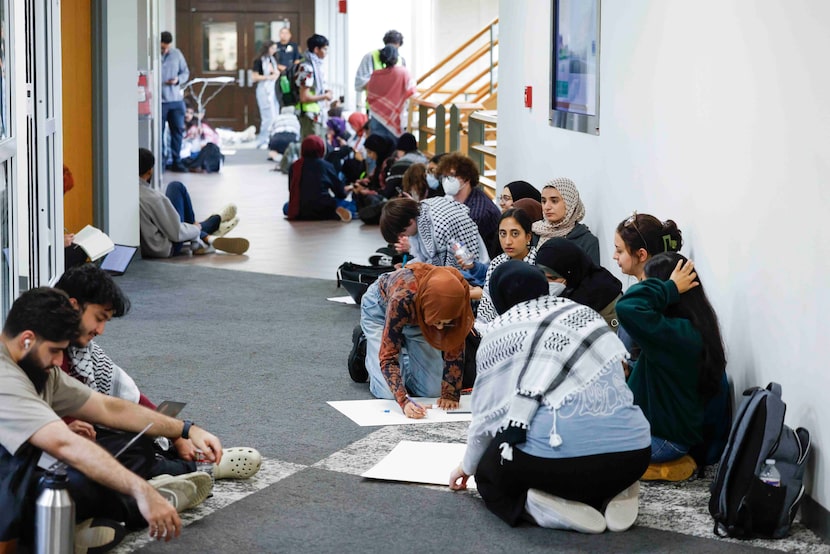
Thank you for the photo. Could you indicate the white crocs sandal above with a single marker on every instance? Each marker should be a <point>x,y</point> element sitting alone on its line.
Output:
<point>238,463</point>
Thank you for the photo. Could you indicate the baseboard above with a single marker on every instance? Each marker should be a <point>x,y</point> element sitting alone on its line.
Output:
<point>816,517</point>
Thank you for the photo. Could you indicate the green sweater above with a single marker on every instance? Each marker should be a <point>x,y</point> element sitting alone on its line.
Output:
<point>664,379</point>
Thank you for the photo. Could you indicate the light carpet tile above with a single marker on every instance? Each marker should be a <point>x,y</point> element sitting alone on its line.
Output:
<point>225,493</point>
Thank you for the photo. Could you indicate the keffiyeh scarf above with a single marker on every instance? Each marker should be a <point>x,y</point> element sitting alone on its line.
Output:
<point>538,352</point>
<point>574,212</point>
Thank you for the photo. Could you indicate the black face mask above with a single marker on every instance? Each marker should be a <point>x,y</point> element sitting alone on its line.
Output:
<point>34,371</point>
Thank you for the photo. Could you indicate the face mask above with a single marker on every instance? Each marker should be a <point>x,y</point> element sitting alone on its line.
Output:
<point>555,289</point>
<point>432,181</point>
<point>451,185</point>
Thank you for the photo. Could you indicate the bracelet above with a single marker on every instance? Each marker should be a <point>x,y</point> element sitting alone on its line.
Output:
<point>186,429</point>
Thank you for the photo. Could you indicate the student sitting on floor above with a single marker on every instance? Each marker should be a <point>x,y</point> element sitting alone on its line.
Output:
<point>563,211</point>
<point>682,361</point>
<point>98,298</point>
<point>555,435</point>
<point>314,190</point>
<point>168,224</point>
<point>425,311</point>
<point>566,265</point>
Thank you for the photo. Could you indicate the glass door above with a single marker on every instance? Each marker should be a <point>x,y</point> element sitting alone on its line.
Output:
<point>8,158</point>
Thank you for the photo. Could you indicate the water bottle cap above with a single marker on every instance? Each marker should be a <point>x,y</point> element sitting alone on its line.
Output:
<point>55,480</point>
<point>770,462</point>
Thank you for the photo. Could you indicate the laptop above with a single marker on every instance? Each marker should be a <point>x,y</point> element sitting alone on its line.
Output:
<point>116,262</point>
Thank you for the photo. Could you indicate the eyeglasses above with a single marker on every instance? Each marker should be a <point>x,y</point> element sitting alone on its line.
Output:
<point>505,198</point>
<point>632,221</point>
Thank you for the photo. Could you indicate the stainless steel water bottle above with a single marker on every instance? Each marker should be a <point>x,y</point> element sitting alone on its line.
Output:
<point>55,514</point>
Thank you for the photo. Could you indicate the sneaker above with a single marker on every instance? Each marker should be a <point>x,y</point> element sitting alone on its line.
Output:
<point>228,212</point>
<point>184,491</point>
<point>178,168</point>
<point>553,512</point>
<point>674,471</point>
<point>263,146</point>
<point>231,245</point>
<point>357,357</point>
<point>621,511</point>
<point>238,463</point>
<point>203,250</point>
<point>226,227</point>
<point>344,214</point>
<point>97,534</point>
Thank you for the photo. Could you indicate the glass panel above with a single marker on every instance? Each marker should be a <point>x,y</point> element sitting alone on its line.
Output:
<point>219,46</point>
<point>268,30</point>
<point>6,274</point>
<point>5,98</point>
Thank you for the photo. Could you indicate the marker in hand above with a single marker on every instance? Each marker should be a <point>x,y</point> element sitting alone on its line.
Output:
<point>416,411</point>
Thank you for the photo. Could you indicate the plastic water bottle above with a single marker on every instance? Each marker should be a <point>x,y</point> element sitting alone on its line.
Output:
<point>461,252</point>
<point>55,514</point>
<point>769,474</point>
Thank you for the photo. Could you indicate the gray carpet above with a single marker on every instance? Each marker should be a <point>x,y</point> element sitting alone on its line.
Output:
<point>256,357</point>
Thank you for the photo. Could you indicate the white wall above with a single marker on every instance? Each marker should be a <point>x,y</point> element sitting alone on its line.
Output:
<point>714,114</point>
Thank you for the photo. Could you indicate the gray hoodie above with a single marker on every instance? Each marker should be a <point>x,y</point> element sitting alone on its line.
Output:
<point>160,224</point>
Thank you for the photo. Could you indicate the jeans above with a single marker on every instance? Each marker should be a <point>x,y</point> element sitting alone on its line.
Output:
<point>663,450</point>
<point>422,366</point>
<point>379,129</point>
<point>266,100</point>
<point>173,114</point>
<point>177,194</point>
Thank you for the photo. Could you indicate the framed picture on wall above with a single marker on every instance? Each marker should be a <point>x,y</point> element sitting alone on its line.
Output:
<point>574,90</point>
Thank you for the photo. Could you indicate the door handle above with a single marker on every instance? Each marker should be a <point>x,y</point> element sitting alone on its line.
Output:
<point>241,79</point>
<point>250,77</point>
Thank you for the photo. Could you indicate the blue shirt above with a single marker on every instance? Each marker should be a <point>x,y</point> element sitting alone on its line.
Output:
<point>173,66</point>
<point>600,419</point>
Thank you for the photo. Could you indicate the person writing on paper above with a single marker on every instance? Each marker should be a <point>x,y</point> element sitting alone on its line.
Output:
<point>555,436</point>
<point>36,394</point>
<point>424,310</point>
<point>96,296</point>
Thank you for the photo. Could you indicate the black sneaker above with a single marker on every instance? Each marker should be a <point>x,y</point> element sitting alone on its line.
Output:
<point>357,357</point>
<point>96,535</point>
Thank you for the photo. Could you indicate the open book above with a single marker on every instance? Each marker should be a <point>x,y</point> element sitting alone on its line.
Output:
<point>94,242</point>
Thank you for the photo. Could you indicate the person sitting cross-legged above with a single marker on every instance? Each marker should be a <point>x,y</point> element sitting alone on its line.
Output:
<point>168,224</point>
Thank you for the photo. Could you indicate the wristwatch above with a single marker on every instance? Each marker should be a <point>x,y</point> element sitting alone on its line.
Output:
<point>186,429</point>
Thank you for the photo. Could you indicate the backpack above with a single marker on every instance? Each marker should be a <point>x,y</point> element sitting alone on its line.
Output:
<point>356,278</point>
<point>742,505</point>
<point>287,88</point>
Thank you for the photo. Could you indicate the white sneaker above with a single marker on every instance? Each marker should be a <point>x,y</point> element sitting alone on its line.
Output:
<point>554,512</point>
<point>226,227</point>
<point>228,212</point>
<point>622,510</point>
<point>184,491</point>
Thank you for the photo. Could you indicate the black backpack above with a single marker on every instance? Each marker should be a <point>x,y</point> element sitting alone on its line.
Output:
<point>287,87</point>
<point>742,505</point>
<point>356,278</point>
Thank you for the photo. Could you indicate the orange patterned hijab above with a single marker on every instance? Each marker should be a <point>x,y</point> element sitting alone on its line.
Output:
<point>442,294</point>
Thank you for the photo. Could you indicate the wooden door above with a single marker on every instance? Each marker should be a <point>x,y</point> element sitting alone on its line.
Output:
<point>225,45</point>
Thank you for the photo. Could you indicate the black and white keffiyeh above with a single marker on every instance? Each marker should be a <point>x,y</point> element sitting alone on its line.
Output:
<point>442,221</point>
<point>91,366</point>
<point>538,352</point>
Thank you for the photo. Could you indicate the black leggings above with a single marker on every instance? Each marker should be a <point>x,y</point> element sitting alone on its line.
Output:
<point>592,480</point>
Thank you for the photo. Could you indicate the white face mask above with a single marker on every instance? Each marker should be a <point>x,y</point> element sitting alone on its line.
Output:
<point>451,185</point>
<point>555,289</point>
<point>432,181</point>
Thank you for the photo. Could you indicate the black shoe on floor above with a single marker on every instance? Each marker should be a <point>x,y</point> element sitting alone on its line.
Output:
<point>178,168</point>
<point>97,535</point>
<point>357,357</point>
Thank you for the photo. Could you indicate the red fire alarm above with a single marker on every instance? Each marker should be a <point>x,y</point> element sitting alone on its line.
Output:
<point>528,97</point>
<point>341,6</point>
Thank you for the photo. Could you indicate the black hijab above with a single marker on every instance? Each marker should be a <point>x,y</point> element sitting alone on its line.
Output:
<point>523,189</point>
<point>587,283</point>
<point>515,281</point>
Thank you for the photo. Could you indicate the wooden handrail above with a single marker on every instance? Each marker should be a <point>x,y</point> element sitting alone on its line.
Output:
<point>463,88</point>
<point>419,101</point>
<point>459,68</point>
<point>458,50</point>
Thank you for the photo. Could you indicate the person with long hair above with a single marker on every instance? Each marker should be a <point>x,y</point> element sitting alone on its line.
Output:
<point>514,237</point>
<point>568,266</point>
<point>265,75</point>
<point>425,311</point>
<point>640,237</point>
<point>563,211</point>
<point>309,181</point>
<point>555,436</point>
<point>682,362</point>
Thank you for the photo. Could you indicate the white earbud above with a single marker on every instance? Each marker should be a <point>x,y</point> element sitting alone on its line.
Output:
<point>27,343</point>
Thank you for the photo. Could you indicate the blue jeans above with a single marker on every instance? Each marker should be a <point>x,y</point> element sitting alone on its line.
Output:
<point>173,114</point>
<point>177,194</point>
<point>422,366</point>
<point>663,450</point>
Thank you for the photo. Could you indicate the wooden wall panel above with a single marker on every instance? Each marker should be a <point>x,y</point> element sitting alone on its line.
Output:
<point>76,64</point>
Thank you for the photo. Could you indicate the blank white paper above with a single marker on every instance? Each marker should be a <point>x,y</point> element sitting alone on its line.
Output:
<point>421,462</point>
<point>379,412</point>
